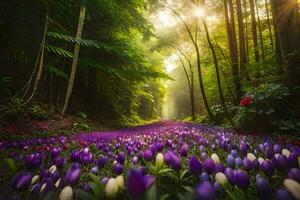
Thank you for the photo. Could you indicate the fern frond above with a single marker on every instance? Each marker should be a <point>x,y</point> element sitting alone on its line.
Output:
<point>59,51</point>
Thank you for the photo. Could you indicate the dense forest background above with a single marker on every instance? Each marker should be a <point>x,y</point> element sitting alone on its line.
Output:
<point>230,62</point>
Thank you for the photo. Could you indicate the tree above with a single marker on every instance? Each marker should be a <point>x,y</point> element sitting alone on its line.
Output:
<point>254,30</point>
<point>75,58</point>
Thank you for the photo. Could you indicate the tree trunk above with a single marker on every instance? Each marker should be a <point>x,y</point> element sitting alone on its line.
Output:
<point>75,59</point>
<point>262,46</point>
<point>269,24</point>
<point>254,30</point>
<point>242,48</point>
<point>246,31</point>
<point>287,19</point>
<point>232,43</point>
<point>218,74</point>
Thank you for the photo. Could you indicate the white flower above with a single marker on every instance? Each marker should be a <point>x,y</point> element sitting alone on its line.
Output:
<point>286,152</point>
<point>52,169</point>
<point>215,158</point>
<point>221,178</point>
<point>66,193</point>
<point>159,161</point>
<point>43,187</point>
<point>251,156</point>
<point>120,181</point>
<point>34,179</point>
<point>260,160</point>
<point>57,183</point>
<point>111,188</point>
<point>276,155</point>
<point>293,187</point>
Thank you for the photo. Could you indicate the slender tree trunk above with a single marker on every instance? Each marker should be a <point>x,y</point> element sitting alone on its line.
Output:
<point>262,46</point>
<point>242,48</point>
<point>246,31</point>
<point>75,59</point>
<point>254,30</point>
<point>41,63</point>
<point>218,74</point>
<point>205,101</point>
<point>269,24</point>
<point>232,43</point>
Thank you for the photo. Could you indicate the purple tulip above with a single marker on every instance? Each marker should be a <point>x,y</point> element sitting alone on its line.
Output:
<point>209,166</point>
<point>135,160</point>
<point>75,156</point>
<point>121,157</point>
<point>48,185</point>
<point>283,194</point>
<point>54,152</point>
<point>234,153</point>
<point>184,150</point>
<point>33,161</point>
<point>59,162</point>
<point>104,180</point>
<point>36,188</point>
<point>219,167</point>
<point>230,161</point>
<point>205,191</point>
<point>293,160</point>
<point>241,179</point>
<point>255,164</point>
<point>204,177</point>
<point>277,149</point>
<point>229,173</point>
<point>247,164</point>
<point>172,160</point>
<point>118,168</point>
<point>195,166</point>
<point>294,174</point>
<point>138,183</point>
<point>263,188</point>
<point>55,176</point>
<point>148,155</point>
<point>267,167</point>
<point>101,161</point>
<point>95,170</point>
<point>243,148</point>
<point>238,162</point>
<point>73,175</point>
<point>24,182</point>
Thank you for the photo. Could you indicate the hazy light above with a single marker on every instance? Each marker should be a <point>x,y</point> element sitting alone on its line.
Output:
<point>165,18</point>
<point>199,12</point>
<point>170,63</point>
<point>212,18</point>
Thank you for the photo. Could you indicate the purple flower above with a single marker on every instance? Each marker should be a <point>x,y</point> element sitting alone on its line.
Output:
<point>101,161</point>
<point>172,160</point>
<point>59,162</point>
<point>33,161</point>
<point>293,160</point>
<point>294,174</point>
<point>283,194</point>
<point>94,170</point>
<point>247,164</point>
<point>75,156</point>
<point>148,155</point>
<point>23,181</point>
<point>267,167</point>
<point>238,162</point>
<point>219,167</point>
<point>230,176</point>
<point>230,161</point>
<point>204,177</point>
<point>121,157</point>
<point>205,191</point>
<point>54,152</point>
<point>138,183</point>
<point>241,179</point>
<point>263,188</point>
<point>73,175</point>
<point>281,163</point>
<point>184,150</point>
<point>195,166</point>
<point>209,166</point>
<point>118,168</point>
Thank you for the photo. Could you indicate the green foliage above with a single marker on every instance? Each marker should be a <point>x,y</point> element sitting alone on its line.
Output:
<point>5,85</point>
<point>13,109</point>
<point>265,107</point>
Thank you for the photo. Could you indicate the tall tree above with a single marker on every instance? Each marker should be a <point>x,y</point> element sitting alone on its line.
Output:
<point>269,24</point>
<point>262,46</point>
<point>75,57</point>
<point>232,43</point>
<point>254,30</point>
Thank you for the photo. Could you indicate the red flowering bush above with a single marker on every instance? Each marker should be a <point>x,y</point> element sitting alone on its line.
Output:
<point>246,101</point>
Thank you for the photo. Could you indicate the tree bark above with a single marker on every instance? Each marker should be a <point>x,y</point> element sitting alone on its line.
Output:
<point>254,30</point>
<point>75,58</point>
<point>262,46</point>
<point>269,24</point>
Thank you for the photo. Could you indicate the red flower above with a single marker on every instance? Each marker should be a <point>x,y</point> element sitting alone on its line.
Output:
<point>246,101</point>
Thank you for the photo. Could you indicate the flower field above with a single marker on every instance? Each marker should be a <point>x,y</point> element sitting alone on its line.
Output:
<point>166,160</point>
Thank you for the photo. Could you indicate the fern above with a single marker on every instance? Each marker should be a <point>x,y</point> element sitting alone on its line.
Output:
<point>55,71</point>
<point>59,51</point>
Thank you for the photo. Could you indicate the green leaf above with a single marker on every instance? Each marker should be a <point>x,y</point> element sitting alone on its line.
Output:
<point>51,196</point>
<point>151,193</point>
<point>59,51</point>
<point>270,111</point>
<point>81,195</point>
<point>11,165</point>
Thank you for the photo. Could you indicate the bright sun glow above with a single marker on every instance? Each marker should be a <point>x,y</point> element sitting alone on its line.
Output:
<point>165,18</point>
<point>199,12</point>
<point>170,63</point>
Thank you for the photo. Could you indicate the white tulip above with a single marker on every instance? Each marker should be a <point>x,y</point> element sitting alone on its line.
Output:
<point>111,188</point>
<point>221,178</point>
<point>276,155</point>
<point>293,187</point>
<point>34,179</point>
<point>66,193</point>
<point>215,158</point>
<point>251,156</point>
<point>159,161</point>
<point>286,152</point>
<point>260,160</point>
<point>57,183</point>
<point>120,181</point>
<point>52,169</point>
